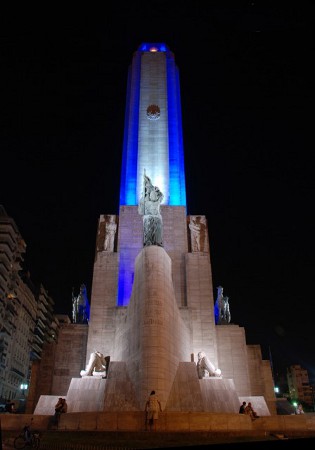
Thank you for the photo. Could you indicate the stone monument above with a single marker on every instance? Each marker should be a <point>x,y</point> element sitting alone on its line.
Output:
<point>152,305</point>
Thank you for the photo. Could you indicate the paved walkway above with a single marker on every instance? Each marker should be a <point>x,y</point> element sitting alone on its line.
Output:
<point>63,440</point>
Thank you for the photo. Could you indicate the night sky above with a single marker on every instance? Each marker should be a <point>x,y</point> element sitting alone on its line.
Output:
<point>247,92</point>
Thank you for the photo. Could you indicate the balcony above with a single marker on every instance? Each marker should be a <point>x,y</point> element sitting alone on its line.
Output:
<point>13,369</point>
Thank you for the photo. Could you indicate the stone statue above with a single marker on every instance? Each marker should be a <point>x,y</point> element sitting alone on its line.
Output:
<point>110,231</point>
<point>195,227</point>
<point>149,208</point>
<point>80,306</point>
<point>205,368</point>
<point>222,312</point>
<point>98,364</point>
<point>226,315</point>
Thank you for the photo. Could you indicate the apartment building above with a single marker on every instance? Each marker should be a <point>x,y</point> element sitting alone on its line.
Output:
<point>299,385</point>
<point>26,315</point>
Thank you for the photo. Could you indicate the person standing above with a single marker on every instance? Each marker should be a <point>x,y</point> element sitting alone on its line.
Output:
<point>27,434</point>
<point>152,409</point>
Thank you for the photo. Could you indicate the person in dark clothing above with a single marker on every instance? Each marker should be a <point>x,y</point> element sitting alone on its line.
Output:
<point>27,433</point>
<point>59,409</point>
<point>9,407</point>
<point>242,408</point>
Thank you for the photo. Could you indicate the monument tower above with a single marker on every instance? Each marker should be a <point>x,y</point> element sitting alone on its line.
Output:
<point>152,305</point>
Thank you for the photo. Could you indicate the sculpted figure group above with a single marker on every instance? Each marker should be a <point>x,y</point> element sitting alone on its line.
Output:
<point>149,208</point>
<point>222,312</point>
<point>80,306</point>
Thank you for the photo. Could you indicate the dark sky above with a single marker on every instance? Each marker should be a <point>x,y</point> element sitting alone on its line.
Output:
<point>247,88</point>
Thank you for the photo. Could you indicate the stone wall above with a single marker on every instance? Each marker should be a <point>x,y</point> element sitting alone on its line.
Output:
<point>232,357</point>
<point>70,356</point>
<point>169,421</point>
<point>101,330</point>
<point>200,306</point>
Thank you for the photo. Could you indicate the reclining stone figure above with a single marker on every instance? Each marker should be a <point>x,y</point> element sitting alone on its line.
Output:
<point>98,363</point>
<point>204,366</point>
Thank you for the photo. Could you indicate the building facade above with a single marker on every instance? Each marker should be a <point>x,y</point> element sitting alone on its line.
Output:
<point>300,389</point>
<point>26,316</point>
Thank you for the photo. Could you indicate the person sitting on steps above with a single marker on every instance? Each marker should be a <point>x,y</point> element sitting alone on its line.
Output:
<point>242,408</point>
<point>250,411</point>
<point>60,407</point>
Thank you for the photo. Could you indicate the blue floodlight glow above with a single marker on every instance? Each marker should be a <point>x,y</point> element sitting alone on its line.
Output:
<point>128,180</point>
<point>176,182</point>
<point>170,165</point>
<point>177,187</point>
<point>147,47</point>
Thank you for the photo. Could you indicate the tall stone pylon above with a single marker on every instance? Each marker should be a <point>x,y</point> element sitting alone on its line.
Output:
<point>153,137</point>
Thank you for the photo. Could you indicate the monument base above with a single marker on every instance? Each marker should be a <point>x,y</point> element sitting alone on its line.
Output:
<point>213,394</point>
<point>117,393</point>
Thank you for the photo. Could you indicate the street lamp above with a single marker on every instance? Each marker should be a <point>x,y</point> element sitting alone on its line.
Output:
<point>295,404</point>
<point>23,388</point>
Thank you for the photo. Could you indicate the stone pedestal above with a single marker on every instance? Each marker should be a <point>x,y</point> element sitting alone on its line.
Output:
<point>189,393</point>
<point>154,337</point>
<point>86,394</point>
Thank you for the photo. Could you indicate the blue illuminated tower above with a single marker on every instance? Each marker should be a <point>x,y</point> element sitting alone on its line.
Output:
<point>153,127</point>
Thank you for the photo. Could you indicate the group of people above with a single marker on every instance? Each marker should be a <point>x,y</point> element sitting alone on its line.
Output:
<point>248,409</point>
<point>60,407</point>
<point>153,407</point>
